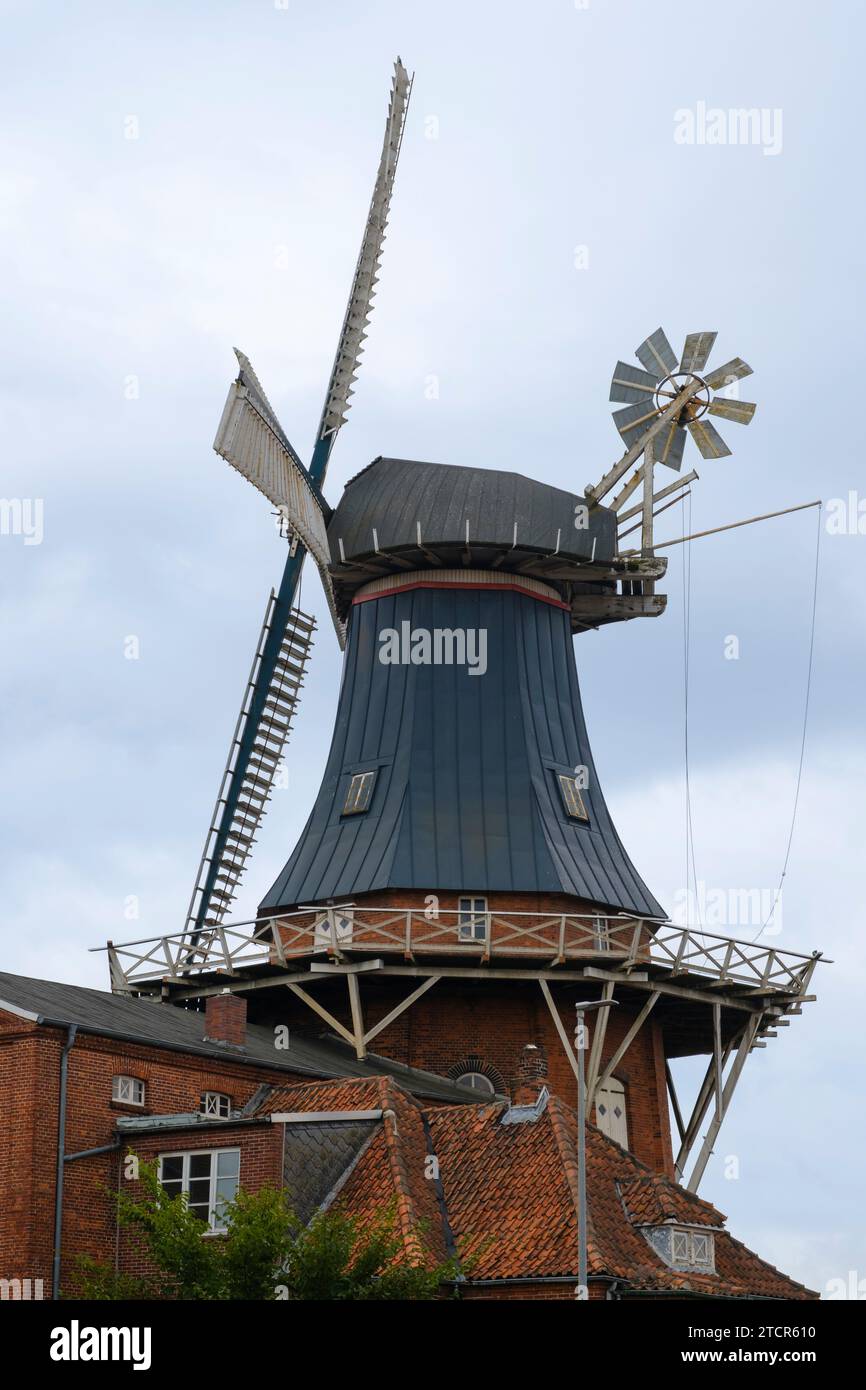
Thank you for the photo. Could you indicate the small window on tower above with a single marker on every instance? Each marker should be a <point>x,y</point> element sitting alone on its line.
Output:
<point>360,793</point>
<point>472,919</point>
<point>610,1112</point>
<point>571,798</point>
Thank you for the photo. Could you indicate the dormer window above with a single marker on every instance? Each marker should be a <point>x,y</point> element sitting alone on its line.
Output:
<point>216,1105</point>
<point>360,793</point>
<point>684,1247</point>
<point>572,800</point>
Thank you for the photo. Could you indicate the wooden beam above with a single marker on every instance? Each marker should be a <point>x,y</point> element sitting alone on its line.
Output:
<point>355,967</point>
<point>607,572</point>
<point>657,496</point>
<point>625,492</point>
<point>357,1016</point>
<point>717,1054</point>
<point>672,1092</point>
<point>319,1009</point>
<point>240,985</point>
<point>732,525</point>
<point>746,1041</point>
<point>637,980</point>
<point>626,1043</point>
<point>594,607</point>
<point>560,1028</point>
<point>700,1109</point>
<point>649,459</point>
<point>400,1008</point>
<point>598,1036</point>
<point>658,511</point>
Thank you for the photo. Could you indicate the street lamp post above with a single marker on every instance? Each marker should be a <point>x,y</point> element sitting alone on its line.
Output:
<point>582,1008</point>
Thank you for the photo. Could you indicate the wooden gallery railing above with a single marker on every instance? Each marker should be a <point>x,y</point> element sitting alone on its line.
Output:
<point>412,933</point>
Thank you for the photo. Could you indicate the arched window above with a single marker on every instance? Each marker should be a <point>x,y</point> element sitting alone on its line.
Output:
<point>477,1075</point>
<point>476,1081</point>
<point>610,1114</point>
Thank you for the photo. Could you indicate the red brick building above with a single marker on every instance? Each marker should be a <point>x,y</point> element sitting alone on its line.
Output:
<point>493,1184</point>
<point>75,1063</point>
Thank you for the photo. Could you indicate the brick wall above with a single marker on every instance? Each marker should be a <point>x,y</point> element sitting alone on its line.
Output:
<point>487,1018</point>
<point>560,1293</point>
<point>30,1087</point>
<point>260,1165</point>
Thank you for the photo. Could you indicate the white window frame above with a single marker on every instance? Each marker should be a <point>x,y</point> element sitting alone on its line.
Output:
<point>216,1104</point>
<point>127,1090</point>
<point>681,1247</point>
<point>214,1218</point>
<point>696,1262</point>
<point>472,915</point>
<point>600,932</point>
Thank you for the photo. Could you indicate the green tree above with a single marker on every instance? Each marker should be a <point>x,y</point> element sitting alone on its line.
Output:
<point>266,1252</point>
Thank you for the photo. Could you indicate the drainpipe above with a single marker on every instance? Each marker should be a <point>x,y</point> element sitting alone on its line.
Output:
<point>61,1145</point>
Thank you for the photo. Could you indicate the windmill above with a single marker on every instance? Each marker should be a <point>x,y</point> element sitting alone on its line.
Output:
<point>460,837</point>
<point>663,399</point>
<point>251,438</point>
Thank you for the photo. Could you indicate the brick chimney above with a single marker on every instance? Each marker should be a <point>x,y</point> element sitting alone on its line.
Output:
<point>225,1019</point>
<point>531,1074</point>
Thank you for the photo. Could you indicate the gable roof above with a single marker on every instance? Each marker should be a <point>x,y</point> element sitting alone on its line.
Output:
<point>161,1024</point>
<point>507,1195</point>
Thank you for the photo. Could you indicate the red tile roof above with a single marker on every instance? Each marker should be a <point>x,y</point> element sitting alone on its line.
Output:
<point>510,1195</point>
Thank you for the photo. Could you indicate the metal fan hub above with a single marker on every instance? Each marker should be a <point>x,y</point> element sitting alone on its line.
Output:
<point>673,384</point>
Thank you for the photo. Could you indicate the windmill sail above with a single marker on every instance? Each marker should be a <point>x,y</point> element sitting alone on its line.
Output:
<point>359,307</point>
<point>252,440</point>
<point>257,748</point>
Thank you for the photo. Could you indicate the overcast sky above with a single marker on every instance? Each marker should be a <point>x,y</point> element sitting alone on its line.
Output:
<point>177,178</point>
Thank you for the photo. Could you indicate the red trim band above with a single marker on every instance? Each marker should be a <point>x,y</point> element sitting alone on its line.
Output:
<point>432,584</point>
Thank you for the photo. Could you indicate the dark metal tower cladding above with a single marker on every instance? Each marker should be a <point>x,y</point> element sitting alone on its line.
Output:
<point>459,707</point>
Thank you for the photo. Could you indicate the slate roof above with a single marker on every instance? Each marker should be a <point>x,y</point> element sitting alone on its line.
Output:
<point>509,1195</point>
<point>159,1024</point>
<point>466,793</point>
